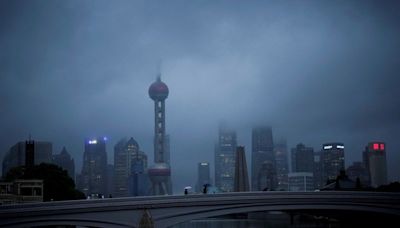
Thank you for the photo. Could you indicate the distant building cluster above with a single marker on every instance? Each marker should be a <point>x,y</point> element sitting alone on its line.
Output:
<point>130,174</point>
<point>309,169</point>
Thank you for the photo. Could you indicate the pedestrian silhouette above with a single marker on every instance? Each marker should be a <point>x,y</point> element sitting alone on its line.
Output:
<point>186,191</point>
<point>205,188</point>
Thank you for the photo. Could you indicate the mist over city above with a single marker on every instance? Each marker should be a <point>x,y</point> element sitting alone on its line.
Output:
<point>316,72</point>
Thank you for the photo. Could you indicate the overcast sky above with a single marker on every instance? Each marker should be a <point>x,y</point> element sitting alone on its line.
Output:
<point>316,71</point>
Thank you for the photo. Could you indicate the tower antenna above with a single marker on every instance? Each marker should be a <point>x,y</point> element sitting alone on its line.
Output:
<point>159,65</point>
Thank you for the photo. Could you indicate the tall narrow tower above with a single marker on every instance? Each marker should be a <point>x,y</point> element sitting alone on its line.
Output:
<point>241,174</point>
<point>160,173</point>
<point>225,159</point>
<point>376,163</point>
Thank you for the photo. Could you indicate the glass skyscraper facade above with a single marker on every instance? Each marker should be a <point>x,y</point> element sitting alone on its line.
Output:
<point>302,158</point>
<point>129,161</point>
<point>203,175</point>
<point>225,151</point>
<point>332,157</point>
<point>263,167</point>
<point>93,178</point>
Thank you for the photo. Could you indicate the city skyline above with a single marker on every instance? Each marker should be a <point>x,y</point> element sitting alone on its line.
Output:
<point>320,177</point>
<point>316,72</point>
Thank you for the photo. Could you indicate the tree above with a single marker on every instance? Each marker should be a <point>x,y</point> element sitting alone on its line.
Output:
<point>57,185</point>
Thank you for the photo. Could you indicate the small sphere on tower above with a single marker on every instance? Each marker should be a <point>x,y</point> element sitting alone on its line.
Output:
<point>158,90</point>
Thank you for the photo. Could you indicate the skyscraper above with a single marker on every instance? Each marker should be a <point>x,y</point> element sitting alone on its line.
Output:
<point>332,157</point>
<point>376,162</point>
<point>38,152</point>
<point>262,155</point>
<point>65,161</point>
<point>139,179</point>
<point>160,173</point>
<point>241,175</point>
<point>203,175</point>
<point>225,151</point>
<point>302,158</point>
<point>301,178</point>
<point>93,178</point>
<point>126,156</point>
<point>281,161</point>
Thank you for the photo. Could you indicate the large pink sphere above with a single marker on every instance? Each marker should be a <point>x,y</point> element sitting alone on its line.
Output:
<point>158,90</point>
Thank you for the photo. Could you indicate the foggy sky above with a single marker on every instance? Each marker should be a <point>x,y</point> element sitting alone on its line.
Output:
<point>316,71</point>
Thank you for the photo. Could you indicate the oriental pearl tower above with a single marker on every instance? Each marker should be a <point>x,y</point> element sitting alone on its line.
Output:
<point>160,172</point>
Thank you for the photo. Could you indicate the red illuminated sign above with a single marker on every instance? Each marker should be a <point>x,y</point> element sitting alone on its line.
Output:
<point>378,146</point>
<point>375,146</point>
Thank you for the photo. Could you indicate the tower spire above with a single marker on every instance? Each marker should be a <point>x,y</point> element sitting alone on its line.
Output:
<point>159,64</point>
